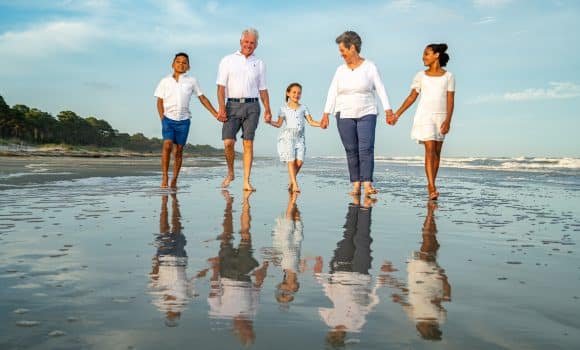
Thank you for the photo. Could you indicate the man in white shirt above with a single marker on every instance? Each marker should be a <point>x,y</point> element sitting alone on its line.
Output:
<point>173,96</point>
<point>242,80</point>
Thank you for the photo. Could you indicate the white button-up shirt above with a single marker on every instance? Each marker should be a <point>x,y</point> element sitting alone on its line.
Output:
<point>176,95</point>
<point>352,91</point>
<point>242,77</point>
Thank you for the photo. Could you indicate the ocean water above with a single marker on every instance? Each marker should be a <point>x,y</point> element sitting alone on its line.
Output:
<point>93,255</point>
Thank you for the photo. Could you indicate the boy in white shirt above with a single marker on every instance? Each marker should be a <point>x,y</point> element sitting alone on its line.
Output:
<point>173,97</point>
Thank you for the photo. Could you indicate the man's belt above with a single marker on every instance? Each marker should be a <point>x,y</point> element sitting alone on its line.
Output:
<point>243,100</point>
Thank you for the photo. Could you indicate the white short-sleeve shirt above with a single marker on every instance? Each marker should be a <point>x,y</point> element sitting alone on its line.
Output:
<point>243,77</point>
<point>433,91</point>
<point>176,95</point>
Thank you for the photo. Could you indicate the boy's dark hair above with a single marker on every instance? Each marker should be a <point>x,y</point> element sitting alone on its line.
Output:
<point>440,49</point>
<point>181,54</point>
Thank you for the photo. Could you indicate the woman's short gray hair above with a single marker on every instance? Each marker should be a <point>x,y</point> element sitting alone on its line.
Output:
<point>250,31</point>
<point>348,39</point>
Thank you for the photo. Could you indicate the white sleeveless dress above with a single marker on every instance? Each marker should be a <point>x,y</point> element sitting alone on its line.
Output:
<point>432,109</point>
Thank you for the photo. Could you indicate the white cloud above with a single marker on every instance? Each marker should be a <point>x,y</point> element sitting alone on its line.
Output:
<point>212,7</point>
<point>48,38</point>
<point>491,3</point>
<point>486,20</point>
<point>555,91</point>
<point>402,5</point>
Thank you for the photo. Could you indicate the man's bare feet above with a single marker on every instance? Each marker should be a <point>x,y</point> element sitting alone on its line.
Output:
<point>229,178</point>
<point>249,188</point>
<point>173,183</point>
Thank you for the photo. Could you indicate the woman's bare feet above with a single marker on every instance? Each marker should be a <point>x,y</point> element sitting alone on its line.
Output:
<point>229,178</point>
<point>355,189</point>
<point>370,190</point>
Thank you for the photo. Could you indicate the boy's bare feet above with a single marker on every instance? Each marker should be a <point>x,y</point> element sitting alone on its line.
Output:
<point>229,178</point>
<point>164,181</point>
<point>173,183</point>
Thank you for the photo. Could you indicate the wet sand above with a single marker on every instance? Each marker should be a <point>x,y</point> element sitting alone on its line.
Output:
<point>105,260</point>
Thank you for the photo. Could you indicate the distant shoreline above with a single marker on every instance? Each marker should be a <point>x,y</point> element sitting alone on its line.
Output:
<point>92,152</point>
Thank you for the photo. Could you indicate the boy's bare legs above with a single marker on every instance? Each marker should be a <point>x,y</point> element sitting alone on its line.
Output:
<point>248,159</point>
<point>177,160</point>
<point>431,159</point>
<point>230,156</point>
<point>165,158</point>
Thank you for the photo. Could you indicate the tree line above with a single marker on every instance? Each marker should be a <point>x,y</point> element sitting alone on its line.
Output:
<point>30,125</point>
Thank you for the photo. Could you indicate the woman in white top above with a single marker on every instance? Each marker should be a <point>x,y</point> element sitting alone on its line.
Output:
<point>352,96</point>
<point>433,115</point>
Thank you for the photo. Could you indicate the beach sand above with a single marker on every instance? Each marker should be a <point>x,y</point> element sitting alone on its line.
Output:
<point>94,255</point>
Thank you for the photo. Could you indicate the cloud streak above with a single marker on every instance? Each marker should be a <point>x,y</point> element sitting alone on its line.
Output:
<point>555,91</point>
<point>491,3</point>
<point>53,37</point>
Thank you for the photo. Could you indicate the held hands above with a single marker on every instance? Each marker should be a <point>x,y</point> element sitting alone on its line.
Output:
<point>324,121</point>
<point>221,115</point>
<point>390,117</point>
<point>267,116</point>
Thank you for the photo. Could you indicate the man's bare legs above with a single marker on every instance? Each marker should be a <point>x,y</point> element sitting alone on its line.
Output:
<point>248,159</point>
<point>177,160</point>
<point>165,158</point>
<point>432,153</point>
<point>230,156</point>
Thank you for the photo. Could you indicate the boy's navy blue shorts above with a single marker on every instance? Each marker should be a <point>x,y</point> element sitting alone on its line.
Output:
<point>175,130</point>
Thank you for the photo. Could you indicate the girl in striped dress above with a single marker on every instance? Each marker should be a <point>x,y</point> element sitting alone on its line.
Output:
<point>291,143</point>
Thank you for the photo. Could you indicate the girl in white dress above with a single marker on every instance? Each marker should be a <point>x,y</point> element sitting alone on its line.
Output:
<point>291,142</point>
<point>433,115</point>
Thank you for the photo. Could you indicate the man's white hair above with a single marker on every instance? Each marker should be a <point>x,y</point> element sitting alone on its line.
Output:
<point>250,31</point>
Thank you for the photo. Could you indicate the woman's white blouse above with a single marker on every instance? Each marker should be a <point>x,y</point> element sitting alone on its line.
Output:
<point>352,91</point>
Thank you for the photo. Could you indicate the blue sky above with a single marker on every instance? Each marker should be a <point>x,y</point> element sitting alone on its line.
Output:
<point>515,63</point>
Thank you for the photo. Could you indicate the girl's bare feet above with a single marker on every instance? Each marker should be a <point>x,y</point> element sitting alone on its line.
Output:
<point>433,194</point>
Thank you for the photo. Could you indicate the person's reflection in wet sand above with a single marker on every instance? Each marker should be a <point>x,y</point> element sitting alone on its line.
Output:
<point>233,295</point>
<point>169,287</point>
<point>427,285</point>
<point>287,239</point>
<point>349,284</point>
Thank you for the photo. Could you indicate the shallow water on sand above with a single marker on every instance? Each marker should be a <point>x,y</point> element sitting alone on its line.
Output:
<point>112,262</point>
